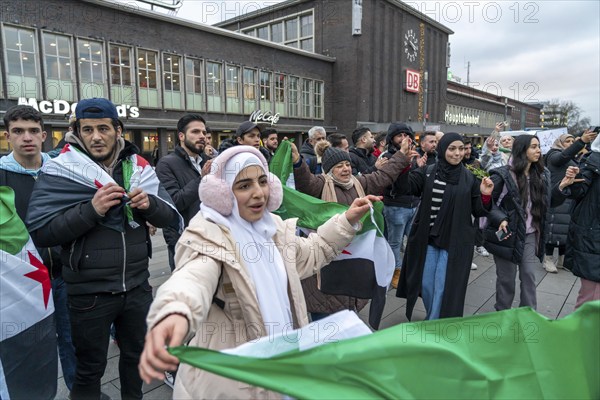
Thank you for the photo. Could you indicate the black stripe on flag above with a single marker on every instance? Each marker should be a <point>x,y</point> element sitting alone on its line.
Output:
<point>30,360</point>
<point>354,277</point>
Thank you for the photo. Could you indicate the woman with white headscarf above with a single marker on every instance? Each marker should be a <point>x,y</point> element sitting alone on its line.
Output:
<point>238,271</point>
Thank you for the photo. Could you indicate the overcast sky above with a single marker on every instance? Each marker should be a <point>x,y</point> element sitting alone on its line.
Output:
<point>526,50</point>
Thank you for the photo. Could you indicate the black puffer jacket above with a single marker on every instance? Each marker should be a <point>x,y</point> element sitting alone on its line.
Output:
<point>181,180</point>
<point>557,161</point>
<point>391,196</point>
<point>96,258</point>
<point>362,161</point>
<point>510,209</point>
<point>582,255</point>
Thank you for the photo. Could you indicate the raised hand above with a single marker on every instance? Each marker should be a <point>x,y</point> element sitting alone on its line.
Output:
<point>487,186</point>
<point>359,207</point>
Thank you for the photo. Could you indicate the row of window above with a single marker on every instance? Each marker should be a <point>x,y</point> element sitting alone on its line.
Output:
<point>146,78</point>
<point>296,31</point>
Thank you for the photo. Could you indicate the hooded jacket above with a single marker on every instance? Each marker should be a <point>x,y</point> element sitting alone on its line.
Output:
<point>582,254</point>
<point>208,263</point>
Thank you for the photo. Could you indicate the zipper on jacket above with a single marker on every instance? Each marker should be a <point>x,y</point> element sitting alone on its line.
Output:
<point>71,255</point>
<point>124,259</point>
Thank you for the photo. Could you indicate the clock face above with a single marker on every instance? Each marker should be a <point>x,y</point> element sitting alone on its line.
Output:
<point>411,45</point>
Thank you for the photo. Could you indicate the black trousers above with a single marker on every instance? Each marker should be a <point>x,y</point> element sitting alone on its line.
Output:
<point>91,318</point>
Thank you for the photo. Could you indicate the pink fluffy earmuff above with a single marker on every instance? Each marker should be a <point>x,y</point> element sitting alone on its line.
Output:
<point>215,192</point>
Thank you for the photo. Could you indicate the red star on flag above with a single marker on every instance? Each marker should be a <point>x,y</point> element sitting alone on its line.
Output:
<point>40,275</point>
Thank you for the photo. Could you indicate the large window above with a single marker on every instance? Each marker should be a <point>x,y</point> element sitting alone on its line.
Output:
<point>296,31</point>
<point>58,55</point>
<point>306,86</point>
<point>122,90</point>
<point>147,82</point>
<point>279,94</point>
<point>21,65</point>
<point>265,91</point>
<point>193,84</point>
<point>294,96</point>
<point>249,90</point>
<point>233,89</point>
<point>92,76</point>
<point>172,81</point>
<point>318,100</point>
<point>214,86</point>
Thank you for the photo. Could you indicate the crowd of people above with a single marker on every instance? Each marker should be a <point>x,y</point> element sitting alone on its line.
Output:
<point>92,208</point>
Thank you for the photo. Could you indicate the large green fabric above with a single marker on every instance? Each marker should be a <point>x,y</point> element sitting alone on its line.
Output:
<point>13,233</point>
<point>513,354</point>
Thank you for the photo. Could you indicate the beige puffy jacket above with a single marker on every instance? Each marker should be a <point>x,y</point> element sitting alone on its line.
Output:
<point>204,251</point>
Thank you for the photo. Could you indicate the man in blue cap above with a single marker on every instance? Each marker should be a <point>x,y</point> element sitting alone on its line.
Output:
<point>95,200</point>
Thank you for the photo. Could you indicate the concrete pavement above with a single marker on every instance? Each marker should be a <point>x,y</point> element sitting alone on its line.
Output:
<point>556,295</point>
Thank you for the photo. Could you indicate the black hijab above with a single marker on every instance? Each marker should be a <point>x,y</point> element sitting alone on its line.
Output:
<point>445,171</point>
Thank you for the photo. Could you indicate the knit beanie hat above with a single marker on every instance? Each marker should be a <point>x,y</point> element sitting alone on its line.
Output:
<point>330,156</point>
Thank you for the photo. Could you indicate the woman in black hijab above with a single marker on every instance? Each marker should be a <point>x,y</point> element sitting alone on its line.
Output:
<point>440,246</point>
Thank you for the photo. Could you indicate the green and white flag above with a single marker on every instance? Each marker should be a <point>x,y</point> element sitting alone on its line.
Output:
<point>28,357</point>
<point>368,251</point>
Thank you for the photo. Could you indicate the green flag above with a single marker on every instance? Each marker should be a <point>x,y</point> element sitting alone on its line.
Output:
<point>14,233</point>
<point>512,354</point>
<point>310,211</point>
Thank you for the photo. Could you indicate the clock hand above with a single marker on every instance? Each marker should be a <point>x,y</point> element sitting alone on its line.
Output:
<point>414,46</point>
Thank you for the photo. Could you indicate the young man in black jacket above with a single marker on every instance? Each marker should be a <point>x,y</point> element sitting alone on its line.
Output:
<point>181,171</point>
<point>95,200</point>
<point>19,171</point>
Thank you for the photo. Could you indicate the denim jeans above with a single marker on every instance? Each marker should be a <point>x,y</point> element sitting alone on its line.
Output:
<point>91,318</point>
<point>66,351</point>
<point>434,280</point>
<point>398,221</point>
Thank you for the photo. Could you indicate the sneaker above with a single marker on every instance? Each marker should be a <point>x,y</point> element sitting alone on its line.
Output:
<point>396,278</point>
<point>549,265</point>
<point>169,379</point>
<point>481,251</point>
<point>473,266</point>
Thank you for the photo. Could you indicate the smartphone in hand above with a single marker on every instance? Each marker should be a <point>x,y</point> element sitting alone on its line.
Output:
<point>501,235</point>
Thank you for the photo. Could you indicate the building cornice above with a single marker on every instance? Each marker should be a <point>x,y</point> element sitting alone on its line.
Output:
<point>207,28</point>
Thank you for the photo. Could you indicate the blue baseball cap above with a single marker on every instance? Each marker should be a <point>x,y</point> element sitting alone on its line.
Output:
<point>96,108</point>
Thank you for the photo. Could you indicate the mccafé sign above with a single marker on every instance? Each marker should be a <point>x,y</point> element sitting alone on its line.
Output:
<point>268,117</point>
<point>65,108</point>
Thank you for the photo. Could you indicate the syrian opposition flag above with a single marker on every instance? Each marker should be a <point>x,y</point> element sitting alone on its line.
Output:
<point>73,178</point>
<point>512,354</point>
<point>367,262</point>
<point>28,357</point>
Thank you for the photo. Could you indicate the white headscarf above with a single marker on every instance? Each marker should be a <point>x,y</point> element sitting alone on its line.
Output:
<point>254,241</point>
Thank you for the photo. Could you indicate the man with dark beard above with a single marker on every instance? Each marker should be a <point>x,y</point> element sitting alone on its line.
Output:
<point>95,200</point>
<point>180,173</point>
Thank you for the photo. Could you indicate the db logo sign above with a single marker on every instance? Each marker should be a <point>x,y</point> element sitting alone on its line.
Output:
<point>413,81</point>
